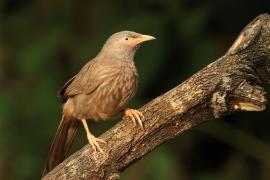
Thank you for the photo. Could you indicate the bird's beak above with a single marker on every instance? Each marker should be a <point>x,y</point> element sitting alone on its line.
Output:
<point>141,38</point>
<point>146,38</point>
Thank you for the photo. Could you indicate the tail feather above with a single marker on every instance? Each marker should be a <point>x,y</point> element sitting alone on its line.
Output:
<point>62,143</point>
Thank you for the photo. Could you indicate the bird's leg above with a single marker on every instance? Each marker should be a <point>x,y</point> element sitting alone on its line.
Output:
<point>93,141</point>
<point>135,115</point>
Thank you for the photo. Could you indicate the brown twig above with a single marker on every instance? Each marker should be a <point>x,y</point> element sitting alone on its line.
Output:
<point>231,83</point>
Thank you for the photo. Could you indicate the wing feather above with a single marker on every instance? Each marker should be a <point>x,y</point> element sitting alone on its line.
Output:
<point>91,76</point>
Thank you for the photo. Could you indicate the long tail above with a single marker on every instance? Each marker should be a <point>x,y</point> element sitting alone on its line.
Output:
<point>62,143</point>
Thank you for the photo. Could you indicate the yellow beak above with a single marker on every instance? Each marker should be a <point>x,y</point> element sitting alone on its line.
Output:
<point>141,39</point>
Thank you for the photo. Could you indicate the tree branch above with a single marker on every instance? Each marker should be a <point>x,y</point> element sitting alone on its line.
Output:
<point>231,83</point>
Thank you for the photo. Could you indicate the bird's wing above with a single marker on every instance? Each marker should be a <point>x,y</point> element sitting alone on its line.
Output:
<point>62,91</point>
<point>88,79</point>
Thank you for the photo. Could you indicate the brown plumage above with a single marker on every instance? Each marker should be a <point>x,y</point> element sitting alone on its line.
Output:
<point>99,91</point>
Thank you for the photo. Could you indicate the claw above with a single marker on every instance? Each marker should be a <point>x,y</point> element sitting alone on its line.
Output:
<point>94,142</point>
<point>135,115</point>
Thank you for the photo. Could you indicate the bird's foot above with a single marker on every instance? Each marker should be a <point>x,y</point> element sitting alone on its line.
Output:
<point>135,115</point>
<point>94,142</point>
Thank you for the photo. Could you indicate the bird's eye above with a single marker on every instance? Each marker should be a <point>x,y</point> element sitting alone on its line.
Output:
<point>126,38</point>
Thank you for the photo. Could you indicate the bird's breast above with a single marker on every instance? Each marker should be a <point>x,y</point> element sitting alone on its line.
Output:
<point>113,94</point>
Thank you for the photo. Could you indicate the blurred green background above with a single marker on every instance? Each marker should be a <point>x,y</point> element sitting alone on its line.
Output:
<point>43,43</point>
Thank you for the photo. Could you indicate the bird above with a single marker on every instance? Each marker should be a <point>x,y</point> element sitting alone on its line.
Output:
<point>99,91</point>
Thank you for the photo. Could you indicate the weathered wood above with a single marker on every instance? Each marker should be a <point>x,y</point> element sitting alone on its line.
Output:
<point>231,83</point>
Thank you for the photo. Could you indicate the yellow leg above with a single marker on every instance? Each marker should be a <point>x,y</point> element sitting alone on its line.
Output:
<point>135,115</point>
<point>93,141</point>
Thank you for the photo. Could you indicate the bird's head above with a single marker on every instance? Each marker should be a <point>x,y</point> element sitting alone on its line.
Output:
<point>124,44</point>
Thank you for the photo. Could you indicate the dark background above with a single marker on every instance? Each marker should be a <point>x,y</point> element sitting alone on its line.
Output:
<point>44,43</point>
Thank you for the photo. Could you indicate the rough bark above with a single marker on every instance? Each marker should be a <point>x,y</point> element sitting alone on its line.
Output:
<point>231,83</point>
